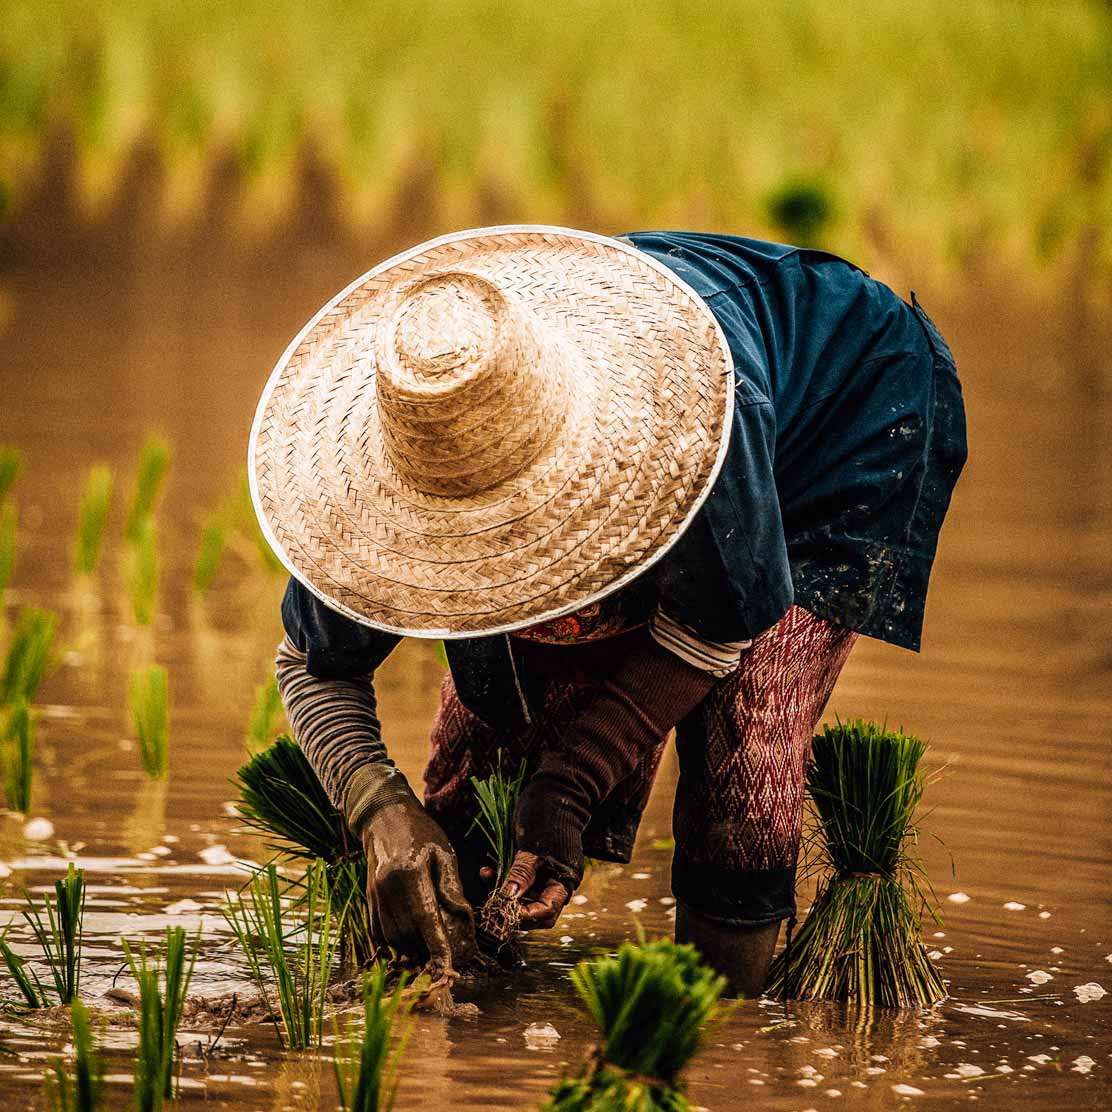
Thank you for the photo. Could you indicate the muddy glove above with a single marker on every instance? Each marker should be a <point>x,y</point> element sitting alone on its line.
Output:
<point>647,695</point>
<point>413,890</point>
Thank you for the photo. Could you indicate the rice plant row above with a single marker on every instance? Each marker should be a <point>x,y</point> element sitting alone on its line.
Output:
<point>154,463</point>
<point>11,464</point>
<point>17,746</point>
<point>148,697</point>
<point>29,656</point>
<point>85,1090</point>
<point>92,519</point>
<point>9,520</point>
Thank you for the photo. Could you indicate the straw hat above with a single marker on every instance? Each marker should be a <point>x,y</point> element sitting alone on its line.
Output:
<point>490,430</point>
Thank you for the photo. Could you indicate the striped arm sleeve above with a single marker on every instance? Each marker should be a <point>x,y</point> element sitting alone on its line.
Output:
<point>719,658</point>
<point>336,724</point>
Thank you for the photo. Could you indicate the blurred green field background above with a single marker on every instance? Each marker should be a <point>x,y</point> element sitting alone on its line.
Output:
<point>945,132</point>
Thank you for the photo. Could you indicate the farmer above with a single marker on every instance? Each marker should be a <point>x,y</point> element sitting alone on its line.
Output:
<point>640,484</point>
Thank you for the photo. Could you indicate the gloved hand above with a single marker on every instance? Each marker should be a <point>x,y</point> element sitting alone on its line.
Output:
<point>413,889</point>
<point>646,696</point>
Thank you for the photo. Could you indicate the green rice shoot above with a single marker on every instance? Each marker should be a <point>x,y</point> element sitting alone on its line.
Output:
<point>163,982</point>
<point>294,979</point>
<point>366,1063</point>
<point>57,929</point>
<point>154,463</point>
<point>210,550</point>
<point>9,521</point>
<point>144,572</point>
<point>17,746</point>
<point>265,716</point>
<point>29,657</point>
<point>11,465</point>
<point>496,798</point>
<point>92,519</point>
<point>148,697</point>
<point>282,801</point>
<point>85,1090</point>
<point>652,1002</point>
<point>862,938</point>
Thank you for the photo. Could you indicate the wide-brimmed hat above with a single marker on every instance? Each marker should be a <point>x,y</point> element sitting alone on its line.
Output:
<point>491,429</point>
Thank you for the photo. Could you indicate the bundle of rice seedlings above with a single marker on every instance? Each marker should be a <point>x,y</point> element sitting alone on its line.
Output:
<point>9,519</point>
<point>651,1002</point>
<point>265,716</point>
<point>148,698</point>
<point>162,982</point>
<point>862,938</point>
<point>92,518</point>
<point>281,799</point>
<point>16,747</point>
<point>154,462</point>
<point>214,536</point>
<point>29,655</point>
<point>366,1064</point>
<point>11,464</point>
<point>263,925</point>
<point>59,937</point>
<point>496,797</point>
<point>144,572</point>
<point>84,1092</point>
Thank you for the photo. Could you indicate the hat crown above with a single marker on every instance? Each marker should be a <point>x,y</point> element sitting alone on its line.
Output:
<point>471,388</point>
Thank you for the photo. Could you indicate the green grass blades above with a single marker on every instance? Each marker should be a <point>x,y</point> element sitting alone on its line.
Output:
<point>9,521</point>
<point>57,928</point>
<point>11,464</point>
<point>17,745</point>
<point>366,1062</point>
<point>148,697</point>
<point>92,519</point>
<point>163,983</point>
<point>265,716</point>
<point>154,463</point>
<point>651,1003</point>
<point>265,922</point>
<point>281,799</point>
<point>496,798</point>
<point>143,575</point>
<point>28,659</point>
<point>84,1091</point>
<point>214,538</point>
<point>862,938</point>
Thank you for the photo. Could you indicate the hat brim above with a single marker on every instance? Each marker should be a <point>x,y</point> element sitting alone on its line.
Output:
<point>644,439</point>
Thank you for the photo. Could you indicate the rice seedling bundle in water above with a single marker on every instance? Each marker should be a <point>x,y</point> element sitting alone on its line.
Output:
<point>9,520</point>
<point>366,1063</point>
<point>17,744</point>
<point>144,572</point>
<point>59,937</point>
<point>148,696</point>
<point>163,983</point>
<point>92,519</point>
<point>154,462</point>
<point>11,464</point>
<point>263,925</point>
<point>496,798</point>
<point>651,1002</point>
<point>84,1091</point>
<point>281,799</point>
<point>862,939</point>
<point>28,657</point>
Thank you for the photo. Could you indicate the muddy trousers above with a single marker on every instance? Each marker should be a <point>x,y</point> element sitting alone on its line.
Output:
<point>742,753</point>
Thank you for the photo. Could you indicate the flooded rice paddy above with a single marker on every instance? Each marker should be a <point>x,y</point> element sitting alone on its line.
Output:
<point>107,337</point>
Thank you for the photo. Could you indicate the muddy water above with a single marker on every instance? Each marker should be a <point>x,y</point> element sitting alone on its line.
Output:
<point>110,334</point>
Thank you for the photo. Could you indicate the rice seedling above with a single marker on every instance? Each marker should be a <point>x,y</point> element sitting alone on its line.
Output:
<point>162,982</point>
<point>651,1001</point>
<point>214,537</point>
<point>84,1092</point>
<point>263,925</point>
<point>281,799</point>
<point>144,572</point>
<point>92,518</point>
<point>366,1064</point>
<point>496,796</point>
<point>59,938</point>
<point>16,749</point>
<point>29,655</point>
<point>265,716</point>
<point>862,939</point>
<point>11,464</point>
<point>148,697</point>
<point>154,462</point>
<point>9,518</point>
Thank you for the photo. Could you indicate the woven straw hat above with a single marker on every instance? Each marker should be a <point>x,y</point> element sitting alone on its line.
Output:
<point>490,430</point>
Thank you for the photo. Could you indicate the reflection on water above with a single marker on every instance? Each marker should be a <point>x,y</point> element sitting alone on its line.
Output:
<point>113,334</point>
